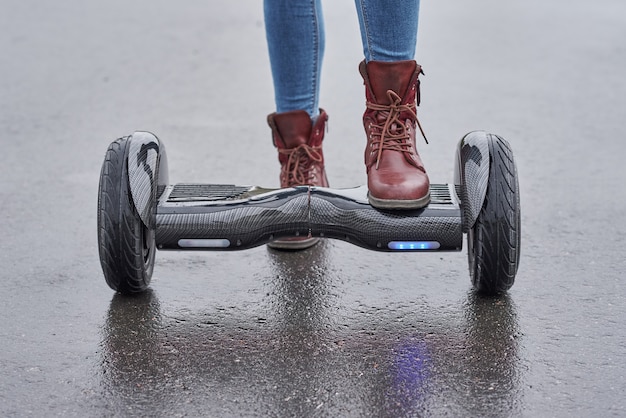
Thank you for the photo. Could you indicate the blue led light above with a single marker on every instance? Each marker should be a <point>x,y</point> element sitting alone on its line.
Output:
<point>413,245</point>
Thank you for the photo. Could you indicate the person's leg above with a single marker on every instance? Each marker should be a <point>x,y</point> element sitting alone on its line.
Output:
<point>396,177</point>
<point>388,29</point>
<point>295,39</point>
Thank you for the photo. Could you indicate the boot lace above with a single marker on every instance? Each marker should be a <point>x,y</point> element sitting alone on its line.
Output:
<point>299,164</point>
<point>393,133</point>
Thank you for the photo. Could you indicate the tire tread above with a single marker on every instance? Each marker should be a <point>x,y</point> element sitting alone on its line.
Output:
<point>495,247</point>
<point>120,230</point>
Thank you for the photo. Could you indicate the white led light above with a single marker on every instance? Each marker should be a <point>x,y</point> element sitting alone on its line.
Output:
<point>203,243</point>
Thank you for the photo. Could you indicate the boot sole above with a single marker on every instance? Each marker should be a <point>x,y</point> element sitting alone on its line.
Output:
<point>399,204</point>
<point>293,245</point>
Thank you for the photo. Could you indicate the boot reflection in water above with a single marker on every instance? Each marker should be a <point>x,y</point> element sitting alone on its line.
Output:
<point>295,36</point>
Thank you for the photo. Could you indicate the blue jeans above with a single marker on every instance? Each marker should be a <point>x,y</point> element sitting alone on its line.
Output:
<point>295,38</point>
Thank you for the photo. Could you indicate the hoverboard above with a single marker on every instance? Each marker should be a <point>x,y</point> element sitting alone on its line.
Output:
<point>140,212</point>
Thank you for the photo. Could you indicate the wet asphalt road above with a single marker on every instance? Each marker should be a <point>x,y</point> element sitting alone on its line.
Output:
<point>337,330</point>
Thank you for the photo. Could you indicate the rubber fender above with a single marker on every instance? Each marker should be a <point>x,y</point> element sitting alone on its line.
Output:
<point>147,174</point>
<point>472,174</point>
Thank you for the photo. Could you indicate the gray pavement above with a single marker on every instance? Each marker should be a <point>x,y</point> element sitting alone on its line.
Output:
<point>337,330</point>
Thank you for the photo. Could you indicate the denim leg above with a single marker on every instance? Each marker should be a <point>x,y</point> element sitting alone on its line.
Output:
<point>295,39</point>
<point>388,28</point>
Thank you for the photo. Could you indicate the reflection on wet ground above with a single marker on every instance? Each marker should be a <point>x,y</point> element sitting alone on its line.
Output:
<point>304,359</point>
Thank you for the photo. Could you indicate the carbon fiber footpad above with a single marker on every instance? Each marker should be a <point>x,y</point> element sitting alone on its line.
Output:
<point>371,228</point>
<point>247,217</point>
<point>247,220</point>
<point>365,226</point>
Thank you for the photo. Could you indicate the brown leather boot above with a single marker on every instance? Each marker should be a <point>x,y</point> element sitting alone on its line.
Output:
<point>396,177</point>
<point>299,144</point>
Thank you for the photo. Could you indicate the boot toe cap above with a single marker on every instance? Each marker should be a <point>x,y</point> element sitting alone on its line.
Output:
<point>403,192</point>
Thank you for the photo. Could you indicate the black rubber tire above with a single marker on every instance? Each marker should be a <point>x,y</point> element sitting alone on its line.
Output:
<point>127,247</point>
<point>494,240</point>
